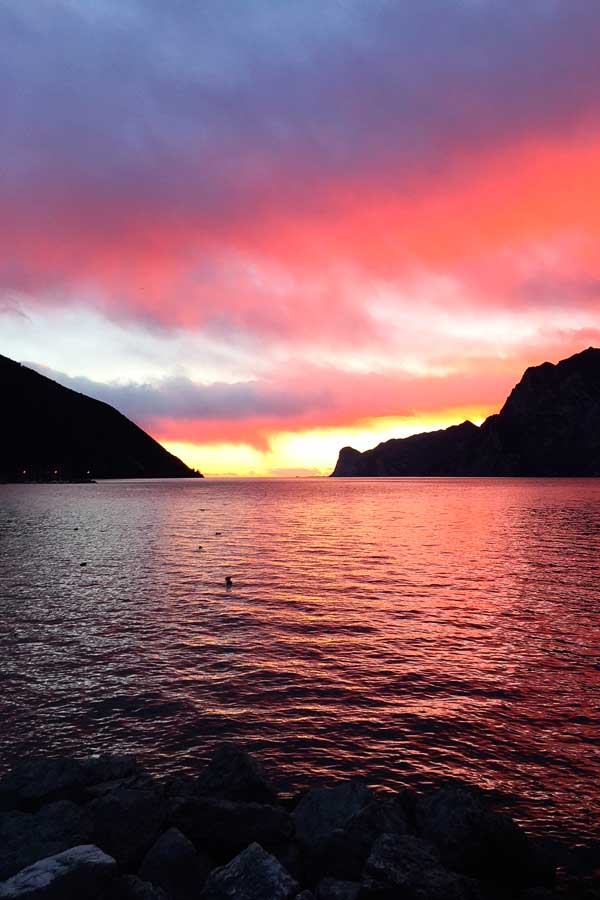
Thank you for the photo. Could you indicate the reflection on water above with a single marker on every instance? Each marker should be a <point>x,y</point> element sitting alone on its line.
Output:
<point>402,629</point>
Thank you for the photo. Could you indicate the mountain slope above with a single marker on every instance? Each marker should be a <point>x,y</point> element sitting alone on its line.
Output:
<point>51,431</point>
<point>549,426</point>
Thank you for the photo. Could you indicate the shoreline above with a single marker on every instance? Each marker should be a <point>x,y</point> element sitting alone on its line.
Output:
<point>103,827</point>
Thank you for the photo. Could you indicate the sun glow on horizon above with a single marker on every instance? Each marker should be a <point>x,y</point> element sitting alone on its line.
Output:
<point>312,452</point>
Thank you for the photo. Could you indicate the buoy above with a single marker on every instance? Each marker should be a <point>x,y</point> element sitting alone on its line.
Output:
<point>218,533</point>
<point>228,581</point>
<point>199,546</point>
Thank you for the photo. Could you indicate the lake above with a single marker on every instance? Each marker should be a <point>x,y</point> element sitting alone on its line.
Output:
<point>404,630</point>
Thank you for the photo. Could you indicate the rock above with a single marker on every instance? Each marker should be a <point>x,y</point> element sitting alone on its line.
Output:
<point>41,781</point>
<point>127,822</point>
<point>322,810</point>
<point>331,889</point>
<point>549,426</point>
<point>291,858</point>
<point>26,838</point>
<point>181,786</point>
<point>233,774</point>
<point>173,864</point>
<point>473,839</point>
<point>408,867</point>
<point>77,873</point>
<point>253,875</point>
<point>137,782</point>
<point>539,893</point>
<point>130,887</point>
<point>223,828</point>
<point>347,849</point>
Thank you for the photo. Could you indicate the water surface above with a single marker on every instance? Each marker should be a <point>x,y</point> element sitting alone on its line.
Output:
<point>404,630</point>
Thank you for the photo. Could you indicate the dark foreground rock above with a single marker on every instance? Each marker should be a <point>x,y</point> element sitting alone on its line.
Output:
<point>41,781</point>
<point>173,864</point>
<point>409,867</point>
<point>130,887</point>
<point>322,810</point>
<point>126,822</point>
<point>116,833</point>
<point>473,839</point>
<point>79,872</point>
<point>253,875</point>
<point>223,828</point>
<point>233,774</point>
<point>344,853</point>
<point>27,837</point>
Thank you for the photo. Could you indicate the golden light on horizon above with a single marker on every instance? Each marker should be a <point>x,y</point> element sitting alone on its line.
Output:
<point>314,451</point>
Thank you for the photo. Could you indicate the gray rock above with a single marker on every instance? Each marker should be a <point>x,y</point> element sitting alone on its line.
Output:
<point>27,837</point>
<point>332,889</point>
<point>173,864</point>
<point>346,851</point>
<point>473,839</point>
<point>235,775</point>
<point>291,857</point>
<point>137,782</point>
<point>41,781</point>
<point>181,786</point>
<point>130,887</point>
<point>223,828</point>
<point>127,822</point>
<point>409,867</point>
<point>81,872</point>
<point>322,810</point>
<point>253,875</point>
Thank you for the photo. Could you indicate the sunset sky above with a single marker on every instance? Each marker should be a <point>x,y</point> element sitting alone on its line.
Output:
<point>264,229</point>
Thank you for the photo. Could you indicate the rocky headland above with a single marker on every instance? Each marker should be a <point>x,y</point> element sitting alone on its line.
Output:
<point>54,434</point>
<point>548,427</point>
<point>102,828</point>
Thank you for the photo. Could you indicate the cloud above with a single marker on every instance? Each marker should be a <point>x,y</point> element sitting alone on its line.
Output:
<point>224,166</point>
<point>178,409</point>
<point>13,312</point>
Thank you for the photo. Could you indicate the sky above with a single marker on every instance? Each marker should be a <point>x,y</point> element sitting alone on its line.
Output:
<point>266,230</point>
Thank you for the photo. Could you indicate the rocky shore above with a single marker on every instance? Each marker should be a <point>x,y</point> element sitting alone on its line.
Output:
<point>103,829</point>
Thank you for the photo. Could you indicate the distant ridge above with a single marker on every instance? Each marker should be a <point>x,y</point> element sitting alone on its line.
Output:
<point>549,426</point>
<point>50,432</point>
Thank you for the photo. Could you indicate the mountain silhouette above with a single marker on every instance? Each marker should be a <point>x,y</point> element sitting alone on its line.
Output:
<point>53,433</point>
<point>549,426</point>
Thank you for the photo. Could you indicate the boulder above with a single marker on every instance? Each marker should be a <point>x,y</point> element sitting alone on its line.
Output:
<point>408,867</point>
<point>322,810</point>
<point>181,786</point>
<point>130,887</point>
<point>173,864</point>
<point>347,849</point>
<point>233,774</point>
<point>473,839</point>
<point>332,889</point>
<point>26,838</point>
<point>253,875</point>
<point>77,873</point>
<point>223,828</point>
<point>41,781</point>
<point>138,782</point>
<point>127,822</point>
<point>291,857</point>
